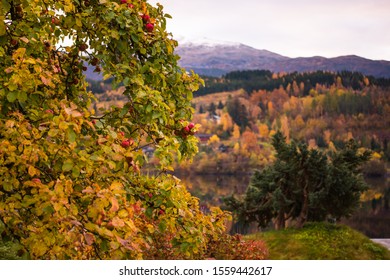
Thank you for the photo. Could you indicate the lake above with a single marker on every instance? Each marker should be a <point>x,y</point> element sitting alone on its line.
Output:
<point>372,218</point>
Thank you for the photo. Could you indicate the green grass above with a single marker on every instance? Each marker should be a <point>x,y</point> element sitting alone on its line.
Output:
<point>321,241</point>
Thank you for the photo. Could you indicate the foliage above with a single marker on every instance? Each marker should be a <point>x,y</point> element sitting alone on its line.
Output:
<point>71,182</point>
<point>229,247</point>
<point>254,80</point>
<point>321,241</point>
<point>303,185</point>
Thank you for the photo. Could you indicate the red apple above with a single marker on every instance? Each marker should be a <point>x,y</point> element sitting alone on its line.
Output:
<point>49,111</point>
<point>55,21</point>
<point>186,129</point>
<point>191,125</point>
<point>149,27</point>
<point>83,47</point>
<point>14,42</point>
<point>123,1</point>
<point>145,18</point>
<point>130,6</point>
<point>125,143</point>
<point>36,180</point>
<point>94,61</point>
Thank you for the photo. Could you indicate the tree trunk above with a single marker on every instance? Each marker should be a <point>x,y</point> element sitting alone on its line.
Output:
<point>305,207</point>
<point>280,221</point>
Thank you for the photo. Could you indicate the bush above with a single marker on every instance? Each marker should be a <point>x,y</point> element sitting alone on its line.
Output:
<point>234,247</point>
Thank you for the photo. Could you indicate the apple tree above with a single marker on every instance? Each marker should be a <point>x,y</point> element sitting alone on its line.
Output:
<point>71,180</point>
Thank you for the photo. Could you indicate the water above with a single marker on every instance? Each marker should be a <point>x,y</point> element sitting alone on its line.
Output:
<point>372,218</point>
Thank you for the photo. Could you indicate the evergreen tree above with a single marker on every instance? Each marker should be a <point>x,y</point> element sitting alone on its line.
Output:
<point>238,112</point>
<point>211,109</point>
<point>302,185</point>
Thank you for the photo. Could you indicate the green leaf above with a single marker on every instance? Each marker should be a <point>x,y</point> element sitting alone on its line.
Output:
<point>67,166</point>
<point>53,132</point>
<point>76,172</point>
<point>71,135</point>
<point>156,115</point>
<point>7,186</point>
<point>149,212</point>
<point>11,96</point>
<point>162,226</point>
<point>124,111</point>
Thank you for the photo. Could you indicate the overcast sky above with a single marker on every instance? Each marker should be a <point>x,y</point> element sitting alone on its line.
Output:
<point>292,28</point>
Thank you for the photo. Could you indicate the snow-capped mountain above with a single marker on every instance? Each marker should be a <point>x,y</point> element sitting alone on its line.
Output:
<point>214,58</point>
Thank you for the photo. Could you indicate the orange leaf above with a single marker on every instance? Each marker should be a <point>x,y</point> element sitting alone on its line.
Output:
<point>114,205</point>
<point>118,222</point>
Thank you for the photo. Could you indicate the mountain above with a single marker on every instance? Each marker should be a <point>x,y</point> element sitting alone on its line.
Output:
<point>216,59</point>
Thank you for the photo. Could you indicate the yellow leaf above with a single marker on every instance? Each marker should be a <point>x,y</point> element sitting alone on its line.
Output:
<point>30,60</point>
<point>32,171</point>
<point>116,186</point>
<point>2,26</point>
<point>78,22</point>
<point>114,245</point>
<point>151,228</point>
<point>19,53</point>
<point>123,213</point>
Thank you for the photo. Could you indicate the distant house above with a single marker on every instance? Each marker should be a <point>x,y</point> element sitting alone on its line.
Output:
<point>215,118</point>
<point>203,138</point>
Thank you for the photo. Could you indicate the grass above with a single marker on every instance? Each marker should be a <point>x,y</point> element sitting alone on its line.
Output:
<point>321,241</point>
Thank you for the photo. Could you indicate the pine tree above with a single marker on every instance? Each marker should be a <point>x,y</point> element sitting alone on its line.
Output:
<point>302,185</point>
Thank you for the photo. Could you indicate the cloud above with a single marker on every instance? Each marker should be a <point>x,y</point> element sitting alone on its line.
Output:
<point>293,28</point>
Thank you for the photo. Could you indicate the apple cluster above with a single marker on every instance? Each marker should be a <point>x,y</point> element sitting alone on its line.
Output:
<point>149,26</point>
<point>126,142</point>
<point>186,130</point>
<point>128,4</point>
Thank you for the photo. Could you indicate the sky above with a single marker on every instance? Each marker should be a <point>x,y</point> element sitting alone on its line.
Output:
<point>294,28</point>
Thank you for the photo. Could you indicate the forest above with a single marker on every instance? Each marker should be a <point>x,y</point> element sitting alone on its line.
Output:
<point>324,116</point>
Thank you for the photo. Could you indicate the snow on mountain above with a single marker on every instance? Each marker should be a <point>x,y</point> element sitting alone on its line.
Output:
<point>215,58</point>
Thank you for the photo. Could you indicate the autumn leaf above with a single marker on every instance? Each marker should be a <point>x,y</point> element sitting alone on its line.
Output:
<point>114,205</point>
<point>89,238</point>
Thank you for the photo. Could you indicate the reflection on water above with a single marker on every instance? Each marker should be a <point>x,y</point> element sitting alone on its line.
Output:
<point>372,218</point>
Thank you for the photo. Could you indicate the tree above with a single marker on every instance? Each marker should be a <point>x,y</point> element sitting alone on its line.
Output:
<point>238,112</point>
<point>211,109</point>
<point>302,185</point>
<point>71,185</point>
